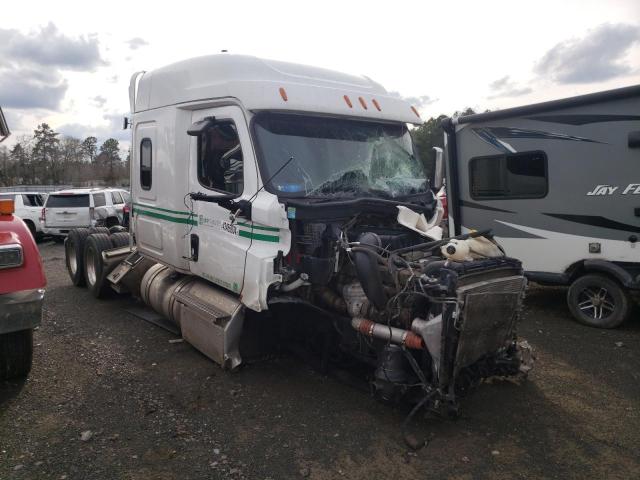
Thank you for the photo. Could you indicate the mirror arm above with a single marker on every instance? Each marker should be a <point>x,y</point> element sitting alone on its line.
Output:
<point>242,207</point>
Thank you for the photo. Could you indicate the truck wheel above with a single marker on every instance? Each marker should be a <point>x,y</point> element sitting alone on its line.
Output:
<point>119,239</point>
<point>32,227</point>
<point>74,255</point>
<point>93,268</point>
<point>111,222</point>
<point>598,301</point>
<point>16,353</point>
<point>98,230</point>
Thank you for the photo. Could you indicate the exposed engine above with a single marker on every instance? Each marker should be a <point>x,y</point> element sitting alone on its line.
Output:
<point>427,319</point>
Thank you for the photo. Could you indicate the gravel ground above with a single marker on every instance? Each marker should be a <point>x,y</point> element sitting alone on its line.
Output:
<point>111,397</point>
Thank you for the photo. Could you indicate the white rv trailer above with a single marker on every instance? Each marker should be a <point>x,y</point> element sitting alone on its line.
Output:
<point>269,190</point>
<point>559,185</point>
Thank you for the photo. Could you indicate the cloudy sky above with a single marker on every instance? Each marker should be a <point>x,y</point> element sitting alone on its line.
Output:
<point>69,63</point>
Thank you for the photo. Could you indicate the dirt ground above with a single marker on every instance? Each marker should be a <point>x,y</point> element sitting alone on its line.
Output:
<point>111,397</point>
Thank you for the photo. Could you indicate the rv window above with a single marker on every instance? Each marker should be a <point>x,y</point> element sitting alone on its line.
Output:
<point>517,175</point>
<point>220,162</point>
<point>145,164</point>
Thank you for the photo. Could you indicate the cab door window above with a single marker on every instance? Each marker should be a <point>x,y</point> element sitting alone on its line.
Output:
<point>220,160</point>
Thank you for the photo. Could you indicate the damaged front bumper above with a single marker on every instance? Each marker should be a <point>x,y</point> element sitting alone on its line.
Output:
<point>20,310</point>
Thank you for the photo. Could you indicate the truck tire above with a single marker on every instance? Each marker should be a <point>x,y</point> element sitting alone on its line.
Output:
<point>74,255</point>
<point>117,229</point>
<point>119,239</point>
<point>111,222</point>
<point>598,301</point>
<point>93,268</point>
<point>99,230</point>
<point>32,228</point>
<point>16,353</point>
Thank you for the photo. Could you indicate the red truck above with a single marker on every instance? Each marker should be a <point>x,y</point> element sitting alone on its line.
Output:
<point>22,283</point>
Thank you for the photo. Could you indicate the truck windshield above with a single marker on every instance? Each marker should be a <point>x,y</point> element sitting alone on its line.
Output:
<point>337,157</point>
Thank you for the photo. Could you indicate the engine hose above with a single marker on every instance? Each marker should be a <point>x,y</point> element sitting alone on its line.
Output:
<point>366,263</point>
<point>411,441</point>
<point>394,335</point>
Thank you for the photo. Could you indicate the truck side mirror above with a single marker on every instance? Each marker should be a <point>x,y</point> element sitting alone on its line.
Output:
<point>438,174</point>
<point>198,128</point>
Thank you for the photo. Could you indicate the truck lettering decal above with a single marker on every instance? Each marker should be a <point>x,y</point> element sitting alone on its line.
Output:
<point>230,228</point>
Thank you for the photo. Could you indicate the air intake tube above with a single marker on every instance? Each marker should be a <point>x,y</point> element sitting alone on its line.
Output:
<point>365,259</point>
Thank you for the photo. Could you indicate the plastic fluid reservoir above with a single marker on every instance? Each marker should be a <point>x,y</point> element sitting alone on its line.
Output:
<point>457,250</point>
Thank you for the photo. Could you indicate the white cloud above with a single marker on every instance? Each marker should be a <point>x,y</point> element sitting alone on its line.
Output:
<point>598,56</point>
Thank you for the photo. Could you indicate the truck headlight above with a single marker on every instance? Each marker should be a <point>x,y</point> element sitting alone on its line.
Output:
<point>11,255</point>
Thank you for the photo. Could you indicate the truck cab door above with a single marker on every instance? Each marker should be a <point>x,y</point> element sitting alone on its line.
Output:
<point>221,163</point>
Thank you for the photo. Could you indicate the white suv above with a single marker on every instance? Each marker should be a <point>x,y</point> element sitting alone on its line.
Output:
<point>83,207</point>
<point>28,206</point>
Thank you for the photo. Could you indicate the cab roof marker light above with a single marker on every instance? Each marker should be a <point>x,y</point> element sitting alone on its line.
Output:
<point>415,111</point>
<point>376,104</point>
<point>283,94</point>
<point>363,103</point>
<point>348,101</point>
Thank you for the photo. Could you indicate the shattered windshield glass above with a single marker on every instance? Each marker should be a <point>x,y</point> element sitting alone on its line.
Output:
<point>335,157</point>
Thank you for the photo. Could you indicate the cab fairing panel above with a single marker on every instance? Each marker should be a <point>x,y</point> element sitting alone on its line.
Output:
<point>256,83</point>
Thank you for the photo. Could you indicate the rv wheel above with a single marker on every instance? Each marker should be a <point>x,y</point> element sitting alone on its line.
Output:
<point>598,301</point>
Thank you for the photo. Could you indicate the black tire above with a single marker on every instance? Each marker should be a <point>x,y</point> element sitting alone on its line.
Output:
<point>32,228</point>
<point>598,301</point>
<point>16,354</point>
<point>117,229</point>
<point>111,222</point>
<point>74,255</point>
<point>94,273</point>
<point>99,230</point>
<point>119,239</point>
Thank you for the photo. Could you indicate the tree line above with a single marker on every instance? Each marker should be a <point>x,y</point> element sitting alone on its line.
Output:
<point>49,158</point>
<point>430,134</point>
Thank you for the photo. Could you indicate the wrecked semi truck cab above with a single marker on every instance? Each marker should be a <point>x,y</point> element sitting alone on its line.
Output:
<point>293,196</point>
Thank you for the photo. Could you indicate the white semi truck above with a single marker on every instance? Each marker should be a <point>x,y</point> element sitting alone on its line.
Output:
<point>292,196</point>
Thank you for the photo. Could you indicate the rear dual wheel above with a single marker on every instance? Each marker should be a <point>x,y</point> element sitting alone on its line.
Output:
<point>74,252</point>
<point>83,256</point>
<point>94,274</point>
<point>74,255</point>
